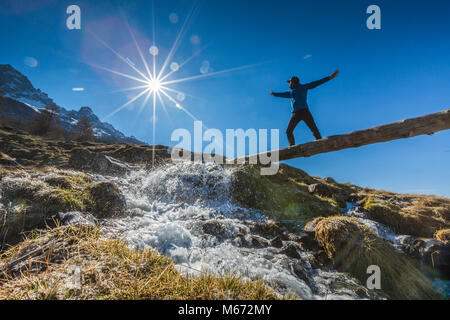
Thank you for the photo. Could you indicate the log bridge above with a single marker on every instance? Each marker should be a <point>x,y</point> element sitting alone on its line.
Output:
<point>427,124</point>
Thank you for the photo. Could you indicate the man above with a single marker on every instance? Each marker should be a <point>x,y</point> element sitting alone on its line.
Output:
<point>300,110</point>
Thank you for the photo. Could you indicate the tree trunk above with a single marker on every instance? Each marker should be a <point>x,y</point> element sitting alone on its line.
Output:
<point>427,124</point>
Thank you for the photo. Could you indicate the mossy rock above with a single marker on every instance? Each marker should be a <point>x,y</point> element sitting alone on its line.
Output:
<point>284,195</point>
<point>352,247</point>
<point>28,206</point>
<point>108,200</point>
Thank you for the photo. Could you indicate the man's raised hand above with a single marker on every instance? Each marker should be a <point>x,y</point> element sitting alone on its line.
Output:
<point>271,92</point>
<point>334,75</point>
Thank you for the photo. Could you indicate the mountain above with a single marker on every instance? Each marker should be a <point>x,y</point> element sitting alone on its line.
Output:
<point>22,101</point>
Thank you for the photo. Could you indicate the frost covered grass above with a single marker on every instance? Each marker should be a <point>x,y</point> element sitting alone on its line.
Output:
<point>31,199</point>
<point>40,268</point>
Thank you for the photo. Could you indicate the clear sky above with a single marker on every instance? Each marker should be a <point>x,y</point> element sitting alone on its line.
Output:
<point>400,71</point>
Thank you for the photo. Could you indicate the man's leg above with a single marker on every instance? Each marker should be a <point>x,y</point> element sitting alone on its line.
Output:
<point>295,119</point>
<point>308,118</point>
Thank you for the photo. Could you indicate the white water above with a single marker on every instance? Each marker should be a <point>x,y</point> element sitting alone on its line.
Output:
<point>379,229</point>
<point>174,206</point>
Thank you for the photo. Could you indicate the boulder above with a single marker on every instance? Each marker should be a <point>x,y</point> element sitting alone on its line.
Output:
<point>29,203</point>
<point>283,196</point>
<point>433,252</point>
<point>108,200</point>
<point>84,159</point>
<point>76,218</point>
<point>290,249</point>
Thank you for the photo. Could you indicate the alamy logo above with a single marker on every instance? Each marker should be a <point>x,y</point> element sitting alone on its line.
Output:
<point>374,20</point>
<point>74,20</point>
<point>374,281</point>
<point>235,139</point>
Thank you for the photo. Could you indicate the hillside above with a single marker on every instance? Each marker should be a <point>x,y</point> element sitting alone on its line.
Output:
<point>250,236</point>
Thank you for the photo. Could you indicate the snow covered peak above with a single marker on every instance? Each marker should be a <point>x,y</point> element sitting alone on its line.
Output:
<point>17,86</point>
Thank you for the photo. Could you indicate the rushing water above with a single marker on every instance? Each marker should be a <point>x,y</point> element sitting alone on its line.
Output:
<point>382,231</point>
<point>186,211</point>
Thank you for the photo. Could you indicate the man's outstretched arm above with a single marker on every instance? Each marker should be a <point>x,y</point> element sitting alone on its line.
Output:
<point>314,84</point>
<point>286,94</point>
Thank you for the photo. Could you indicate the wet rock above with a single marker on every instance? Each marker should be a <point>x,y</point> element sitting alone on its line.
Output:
<point>213,228</point>
<point>301,272</point>
<point>320,189</point>
<point>259,242</point>
<point>83,159</point>
<point>308,241</point>
<point>435,253</point>
<point>276,242</point>
<point>290,250</point>
<point>108,200</point>
<point>267,229</point>
<point>75,218</point>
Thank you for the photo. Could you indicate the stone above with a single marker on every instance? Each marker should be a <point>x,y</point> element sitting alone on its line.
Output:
<point>259,242</point>
<point>290,250</point>
<point>433,252</point>
<point>75,218</point>
<point>97,162</point>
<point>108,199</point>
<point>276,242</point>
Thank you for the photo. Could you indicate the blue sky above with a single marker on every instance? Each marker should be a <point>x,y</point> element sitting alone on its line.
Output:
<point>397,72</point>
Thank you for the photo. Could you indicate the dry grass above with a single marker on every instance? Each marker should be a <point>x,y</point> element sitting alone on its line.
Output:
<point>415,215</point>
<point>442,235</point>
<point>108,270</point>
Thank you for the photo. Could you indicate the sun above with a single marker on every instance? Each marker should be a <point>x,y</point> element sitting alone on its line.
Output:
<point>154,85</point>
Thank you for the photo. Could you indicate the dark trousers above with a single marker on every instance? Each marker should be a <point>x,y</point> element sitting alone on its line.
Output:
<point>297,116</point>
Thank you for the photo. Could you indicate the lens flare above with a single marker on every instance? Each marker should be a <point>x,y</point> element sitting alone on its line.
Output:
<point>154,84</point>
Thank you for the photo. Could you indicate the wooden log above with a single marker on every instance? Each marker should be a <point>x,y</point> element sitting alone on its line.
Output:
<point>427,124</point>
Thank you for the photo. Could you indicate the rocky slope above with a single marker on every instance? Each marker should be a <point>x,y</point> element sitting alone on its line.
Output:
<point>22,101</point>
<point>287,235</point>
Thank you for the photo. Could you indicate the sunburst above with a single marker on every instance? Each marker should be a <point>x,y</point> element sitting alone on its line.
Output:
<point>154,85</point>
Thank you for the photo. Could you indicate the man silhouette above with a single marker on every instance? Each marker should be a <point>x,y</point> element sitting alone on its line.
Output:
<point>300,110</point>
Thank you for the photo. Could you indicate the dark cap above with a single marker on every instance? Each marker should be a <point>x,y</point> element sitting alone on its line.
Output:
<point>294,79</point>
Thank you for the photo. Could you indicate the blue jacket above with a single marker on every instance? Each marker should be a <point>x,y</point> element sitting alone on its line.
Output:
<point>299,93</point>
